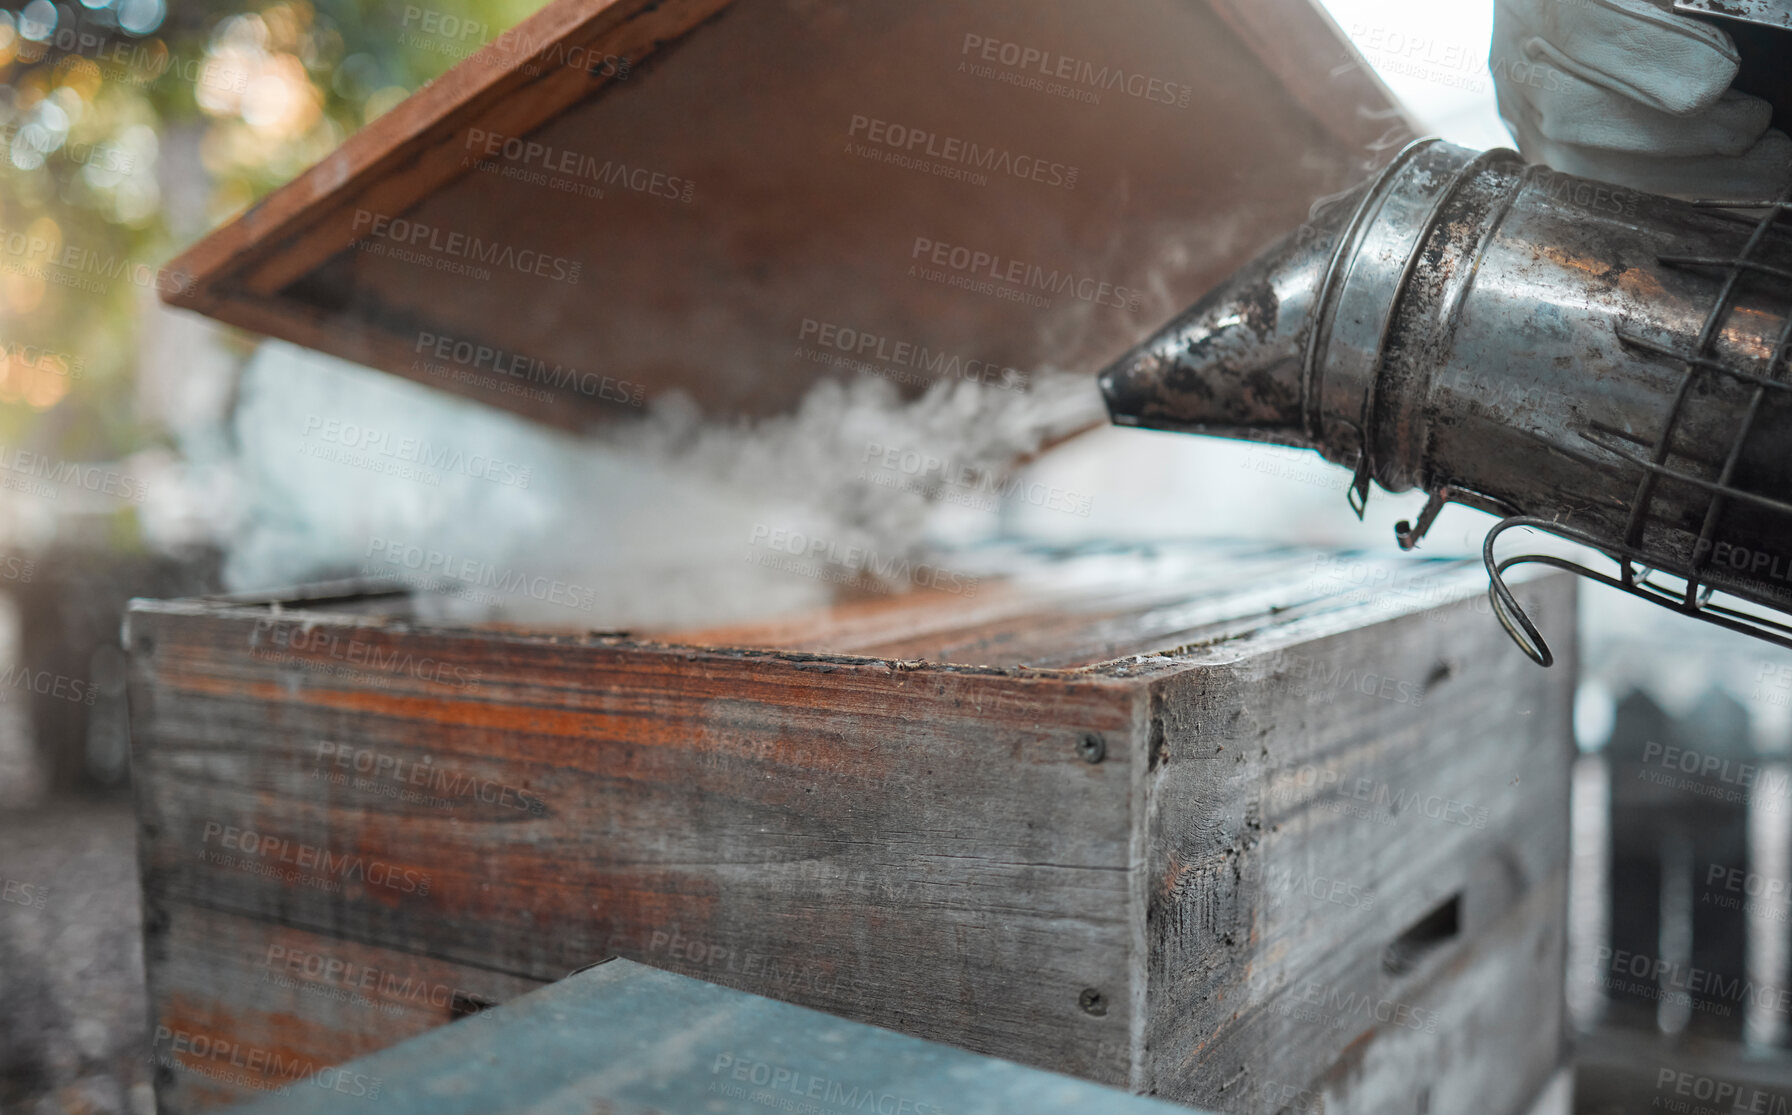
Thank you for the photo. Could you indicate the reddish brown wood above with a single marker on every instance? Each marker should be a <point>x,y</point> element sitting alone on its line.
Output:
<point>754,105</point>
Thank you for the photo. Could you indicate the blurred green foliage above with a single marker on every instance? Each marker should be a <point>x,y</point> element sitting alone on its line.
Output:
<point>128,129</point>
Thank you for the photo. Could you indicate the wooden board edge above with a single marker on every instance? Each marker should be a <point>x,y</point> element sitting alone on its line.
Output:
<point>143,615</point>
<point>1246,636</point>
<point>293,321</point>
<point>289,231</point>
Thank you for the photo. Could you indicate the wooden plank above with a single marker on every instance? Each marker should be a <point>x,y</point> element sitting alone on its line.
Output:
<point>789,218</point>
<point>752,817</point>
<point>514,83</point>
<point>1094,610</point>
<point>626,1038</point>
<point>249,1005</point>
<point>1308,809</point>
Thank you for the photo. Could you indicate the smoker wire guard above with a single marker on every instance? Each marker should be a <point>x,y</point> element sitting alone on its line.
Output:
<point>1694,600</point>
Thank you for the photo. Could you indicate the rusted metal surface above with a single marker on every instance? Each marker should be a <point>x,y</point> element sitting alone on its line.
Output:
<point>1768,13</point>
<point>1604,364</point>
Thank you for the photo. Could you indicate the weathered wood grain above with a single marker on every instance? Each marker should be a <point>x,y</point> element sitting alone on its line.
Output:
<point>1313,804</point>
<point>926,845</point>
<point>926,849</point>
<point>769,216</point>
<point>247,1005</point>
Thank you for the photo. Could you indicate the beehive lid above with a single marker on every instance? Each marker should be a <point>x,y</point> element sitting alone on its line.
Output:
<point>621,197</point>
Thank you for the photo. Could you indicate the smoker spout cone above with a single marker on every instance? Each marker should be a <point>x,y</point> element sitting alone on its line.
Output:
<point>1232,364</point>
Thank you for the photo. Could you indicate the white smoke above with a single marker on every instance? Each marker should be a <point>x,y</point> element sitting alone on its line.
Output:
<point>666,520</point>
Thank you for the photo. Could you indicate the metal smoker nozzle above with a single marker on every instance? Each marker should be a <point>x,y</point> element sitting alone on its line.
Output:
<point>1605,365</point>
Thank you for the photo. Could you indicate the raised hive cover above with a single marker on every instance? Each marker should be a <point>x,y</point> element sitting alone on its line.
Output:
<point>618,197</point>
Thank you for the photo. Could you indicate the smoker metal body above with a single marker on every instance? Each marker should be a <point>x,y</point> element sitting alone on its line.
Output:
<point>1767,13</point>
<point>1603,364</point>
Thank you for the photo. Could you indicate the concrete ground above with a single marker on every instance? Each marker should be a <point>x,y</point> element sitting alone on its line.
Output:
<point>73,1014</point>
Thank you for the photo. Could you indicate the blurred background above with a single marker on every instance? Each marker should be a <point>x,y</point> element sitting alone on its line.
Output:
<point>148,452</point>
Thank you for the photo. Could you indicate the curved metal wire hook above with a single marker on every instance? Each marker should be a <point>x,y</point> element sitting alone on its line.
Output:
<point>1523,632</point>
<point>1506,607</point>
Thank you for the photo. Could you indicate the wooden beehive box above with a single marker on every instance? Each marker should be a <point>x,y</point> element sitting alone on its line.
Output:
<point>1220,826</point>
<point>619,198</point>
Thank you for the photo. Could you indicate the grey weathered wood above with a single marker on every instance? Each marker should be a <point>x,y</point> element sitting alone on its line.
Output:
<point>917,844</point>
<point>1284,867</point>
<point>625,1038</point>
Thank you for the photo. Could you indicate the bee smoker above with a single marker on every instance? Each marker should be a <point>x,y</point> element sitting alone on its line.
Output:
<point>1604,365</point>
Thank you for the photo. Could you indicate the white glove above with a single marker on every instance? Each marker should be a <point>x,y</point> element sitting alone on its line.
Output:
<point>1632,92</point>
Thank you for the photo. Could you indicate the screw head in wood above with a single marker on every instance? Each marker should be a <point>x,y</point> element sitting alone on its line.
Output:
<point>1093,1002</point>
<point>1092,747</point>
